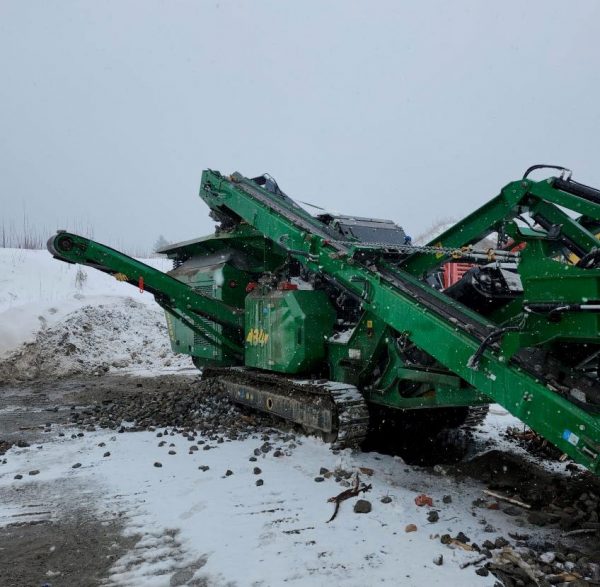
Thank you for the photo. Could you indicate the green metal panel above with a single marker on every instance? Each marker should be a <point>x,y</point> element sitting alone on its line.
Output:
<point>286,331</point>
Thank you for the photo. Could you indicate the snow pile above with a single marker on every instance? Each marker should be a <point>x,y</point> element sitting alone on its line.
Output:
<point>58,319</point>
<point>120,334</point>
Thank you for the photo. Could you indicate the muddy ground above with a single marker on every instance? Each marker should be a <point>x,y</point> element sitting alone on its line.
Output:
<point>61,535</point>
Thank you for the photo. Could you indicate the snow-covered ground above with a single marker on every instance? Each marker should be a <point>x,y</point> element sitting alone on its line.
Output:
<point>200,527</point>
<point>227,530</point>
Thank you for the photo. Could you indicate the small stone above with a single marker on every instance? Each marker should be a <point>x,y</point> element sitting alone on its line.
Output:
<point>253,459</point>
<point>277,453</point>
<point>362,506</point>
<point>482,572</point>
<point>161,443</point>
<point>501,542</point>
<point>172,452</point>
<point>228,473</point>
<point>106,454</point>
<point>461,537</point>
<point>157,464</point>
<point>410,528</point>
<point>538,518</point>
<point>438,560</point>
<point>76,466</point>
<point>323,471</point>
<point>548,557</point>
<point>447,499</point>
<point>206,447</point>
<point>445,539</point>
<point>386,499</point>
<point>204,468</point>
<point>17,476</point>
<point>512,511</point>
<point>319,479</point>
<point>101,444</point>
<point>433,516</point>
<point>257,452</point>
<point>259,482</point>
<point>257,471</point>
<point>159,434</point>
<point>489,545</point>
<point>193,448</point>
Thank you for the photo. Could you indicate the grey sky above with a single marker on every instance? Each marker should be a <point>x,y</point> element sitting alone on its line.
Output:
<point>414,111</point>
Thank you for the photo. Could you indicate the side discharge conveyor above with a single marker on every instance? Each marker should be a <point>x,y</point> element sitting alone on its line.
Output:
<point>326,320</point>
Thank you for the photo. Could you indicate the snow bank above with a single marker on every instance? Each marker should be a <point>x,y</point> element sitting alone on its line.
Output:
<point>58,319</point>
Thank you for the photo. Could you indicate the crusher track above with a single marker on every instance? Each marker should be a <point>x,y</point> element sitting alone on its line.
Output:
<point>336,411</point>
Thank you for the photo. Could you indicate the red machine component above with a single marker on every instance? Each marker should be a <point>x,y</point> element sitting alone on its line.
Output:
<point>454,271</point>
<point>287,286</point>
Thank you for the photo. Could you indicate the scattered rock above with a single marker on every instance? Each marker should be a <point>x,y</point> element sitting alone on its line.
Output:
<point>386,499</point>
<point>204,468</point>
<point>253,459</point>
<point>362,506</point>
<point>323,471</point>
<point>76,466</point>
<point>259,482</point>
<point>539,518</point>
<point>410,528</point>
<point>501,542</point>
<point>447,499</point>
<point>257,471</point>
<point>319,479</point>
<point>157,464</point>
<point>34,472</point>
<point>433,516</point>
<point>228,473</point>
<point>106,454</point>
<point>438,560</point>
<point>18,476</point>
<point>548,557</point>
<point>482,572</point>
<point>423,499</point>
<point>172,452</point>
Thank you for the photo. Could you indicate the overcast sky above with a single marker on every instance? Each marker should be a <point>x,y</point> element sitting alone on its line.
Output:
<point>415,111</point>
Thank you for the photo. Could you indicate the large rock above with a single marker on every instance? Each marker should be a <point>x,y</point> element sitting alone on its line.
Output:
<point>362,506</point>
